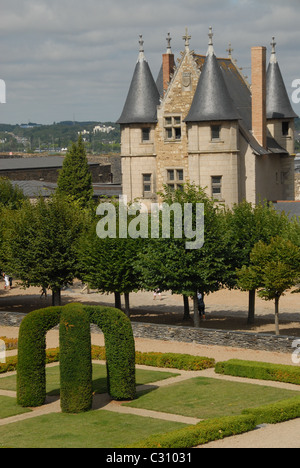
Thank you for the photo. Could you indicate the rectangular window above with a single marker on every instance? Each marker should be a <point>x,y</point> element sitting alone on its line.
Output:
<point>216,184</point>
<point>147,184</point>
<point>146,134</point>
<point>172,126</point>
<point>175,178</point>
<point>215,132</point>
<point>285,128</point>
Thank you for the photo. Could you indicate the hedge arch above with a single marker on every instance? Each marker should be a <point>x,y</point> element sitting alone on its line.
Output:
<point>75,355</point>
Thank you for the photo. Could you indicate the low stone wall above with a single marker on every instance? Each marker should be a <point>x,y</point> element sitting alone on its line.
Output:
<point>202,336</point>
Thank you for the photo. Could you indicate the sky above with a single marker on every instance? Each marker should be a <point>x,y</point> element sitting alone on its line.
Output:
<point>74,60</point>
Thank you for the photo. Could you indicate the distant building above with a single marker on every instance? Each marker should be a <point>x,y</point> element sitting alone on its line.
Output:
<point>103,129</point>
<point>201,122</point>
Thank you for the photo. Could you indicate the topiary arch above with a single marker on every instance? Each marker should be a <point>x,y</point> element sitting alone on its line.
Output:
<point>75,355</point>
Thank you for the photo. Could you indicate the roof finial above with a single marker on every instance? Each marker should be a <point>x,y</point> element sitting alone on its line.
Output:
<point>229,50</point>
<point>187,38</point>
<point>273,58</point>
<point>210,43</point>
<point>141,55</point>
<point>169,50</point>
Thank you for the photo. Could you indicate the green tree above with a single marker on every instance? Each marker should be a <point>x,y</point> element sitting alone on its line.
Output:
<point>10,197</point>
<point>107,264</point>
<point>248,224</point>
<point>40,243</point>
<point>274,269</point>
<point>75,178</point>
<point>167,263</point>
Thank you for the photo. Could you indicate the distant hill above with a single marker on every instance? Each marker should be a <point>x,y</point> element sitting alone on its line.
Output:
<point>36,137</point>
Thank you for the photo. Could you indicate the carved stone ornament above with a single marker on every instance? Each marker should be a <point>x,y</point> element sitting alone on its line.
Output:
<point>186,79</point>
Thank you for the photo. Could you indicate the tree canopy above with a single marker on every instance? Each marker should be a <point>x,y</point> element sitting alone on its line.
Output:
<point>75,179</point>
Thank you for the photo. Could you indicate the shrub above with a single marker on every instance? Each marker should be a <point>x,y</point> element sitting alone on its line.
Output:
<point>75,360</point>
<point>259,370</point>
<point>120,350</point>
<point>202,433</point>
<point>174,361</point>
<point>31,374</point>
<point>276,412</point>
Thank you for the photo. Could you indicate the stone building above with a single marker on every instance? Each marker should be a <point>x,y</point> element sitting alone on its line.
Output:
<point>201,122</point>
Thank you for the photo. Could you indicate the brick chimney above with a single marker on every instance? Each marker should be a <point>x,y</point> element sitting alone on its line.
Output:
<point>168,64</point>
<point>259,94</point>
<point>168,69</point>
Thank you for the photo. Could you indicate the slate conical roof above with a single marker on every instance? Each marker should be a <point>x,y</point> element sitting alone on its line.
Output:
<point>278,102</point>
<point>212,101</point>
<point>143,96</point>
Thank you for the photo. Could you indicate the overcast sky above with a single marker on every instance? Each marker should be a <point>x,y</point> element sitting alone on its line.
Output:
<point>74,59</point>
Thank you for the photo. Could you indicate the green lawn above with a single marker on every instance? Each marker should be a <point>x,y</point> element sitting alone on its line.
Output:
<point>95,429</point>
<point>200,397</point>
<point>205,398</point>
<point>99,379</point>
<point>9,407</point>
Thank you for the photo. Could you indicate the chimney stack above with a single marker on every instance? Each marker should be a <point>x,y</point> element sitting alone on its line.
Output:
<point>259,94</point>
<point>168,64</point>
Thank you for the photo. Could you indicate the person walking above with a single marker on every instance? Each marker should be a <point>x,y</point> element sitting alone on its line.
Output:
<point>201,306</point>
<point>6,281</point>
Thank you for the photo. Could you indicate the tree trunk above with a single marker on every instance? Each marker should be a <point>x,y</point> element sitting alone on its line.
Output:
<point>277,316</point>
<point>196,312</point>
<point>186,315</point>
<point>117,300</point>
<point>127,304</point>
<point>56,297</point>
<point>251,309</point>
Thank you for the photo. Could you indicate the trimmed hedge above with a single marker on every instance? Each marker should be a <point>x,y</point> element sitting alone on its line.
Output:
<point>200,434</point>
<point>120,353</point>
<point>120,350</point>
<point>174,361</point>
<point>76,392</point>
<point>275,413</point>
<point>31,375</point>
<point>259,370</point>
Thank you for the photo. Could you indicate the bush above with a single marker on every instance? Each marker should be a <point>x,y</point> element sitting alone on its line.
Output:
<point>120,350</point>
<point>201,433</point>
<point>174,361</point>
<point>75,360</point>
<point>259,370</point>
<point>276,412</point>
<point>31,374</point>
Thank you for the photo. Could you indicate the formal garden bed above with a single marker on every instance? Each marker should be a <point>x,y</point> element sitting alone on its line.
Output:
<point>227,408</point>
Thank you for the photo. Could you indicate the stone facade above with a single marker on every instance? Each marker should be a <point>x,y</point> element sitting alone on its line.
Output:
<point>236,164</point>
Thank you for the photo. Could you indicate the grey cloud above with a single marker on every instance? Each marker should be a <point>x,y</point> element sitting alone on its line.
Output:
<point>60,57</point>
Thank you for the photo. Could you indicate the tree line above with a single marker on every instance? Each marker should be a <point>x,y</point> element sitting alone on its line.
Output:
<point>53,241</point>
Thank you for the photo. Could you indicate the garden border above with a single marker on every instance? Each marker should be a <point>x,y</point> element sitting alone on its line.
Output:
<point>202,336</point>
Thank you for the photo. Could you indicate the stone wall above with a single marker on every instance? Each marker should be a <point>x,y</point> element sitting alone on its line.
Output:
<point>207,337</point>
